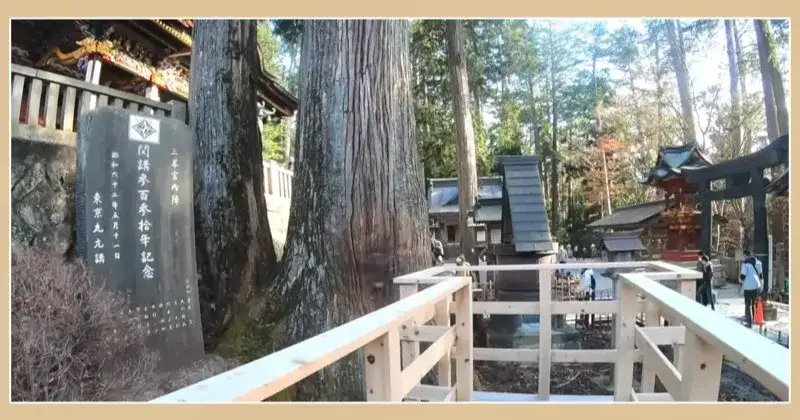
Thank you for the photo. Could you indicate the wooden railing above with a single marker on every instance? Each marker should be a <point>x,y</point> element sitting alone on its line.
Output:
<point>390,340</point>
<point>278,180</point>
<point>45,106</point>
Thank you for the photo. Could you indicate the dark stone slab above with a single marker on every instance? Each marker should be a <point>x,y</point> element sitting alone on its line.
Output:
<point>135,223</point>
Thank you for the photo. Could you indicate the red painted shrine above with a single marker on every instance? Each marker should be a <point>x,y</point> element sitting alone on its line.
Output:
<point>680,217</point>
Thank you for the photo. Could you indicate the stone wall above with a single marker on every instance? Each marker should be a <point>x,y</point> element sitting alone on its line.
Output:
<point>43,195</point>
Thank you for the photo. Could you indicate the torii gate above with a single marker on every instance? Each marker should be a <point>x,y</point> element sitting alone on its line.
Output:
<point>744,177</point>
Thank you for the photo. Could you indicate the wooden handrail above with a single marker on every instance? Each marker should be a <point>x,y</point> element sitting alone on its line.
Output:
<point>390,338</point>
<point>764,360</point>
<point>262,378</point>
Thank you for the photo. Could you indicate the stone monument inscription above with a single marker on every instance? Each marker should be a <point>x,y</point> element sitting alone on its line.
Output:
<point>135,223</point>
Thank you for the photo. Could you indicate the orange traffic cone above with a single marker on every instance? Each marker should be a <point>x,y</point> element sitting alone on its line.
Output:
<point>759,313</point>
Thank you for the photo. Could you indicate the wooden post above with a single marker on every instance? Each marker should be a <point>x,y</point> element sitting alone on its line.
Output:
<point>445,366</point>
<point>625,326</point>
<point>687,288</point>
<point>701,371</point>
<point>705,218</point>
<point>409,349</point>
<point>545,332</point>
<point>652,319</point>
<point>464,362</point>
<point>382,367</point>
<point>760,250</point>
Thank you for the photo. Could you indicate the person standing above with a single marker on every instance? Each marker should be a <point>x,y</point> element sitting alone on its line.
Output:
<point>588,285</point>
<point>706,295</point>
<point>752,278</point>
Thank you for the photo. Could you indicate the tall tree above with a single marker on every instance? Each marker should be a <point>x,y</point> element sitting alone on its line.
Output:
<point>678,55</point>
<point>465,136</point>
<point>554,198</point>
<point>358,213</point>
<point>235,253</point>
<point>736,99</point>
<point>774,96</point>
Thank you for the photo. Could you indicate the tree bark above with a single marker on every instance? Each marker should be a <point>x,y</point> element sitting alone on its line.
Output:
<point>678,56</point>
<point>358,212</point>
<point>467,171</point>
<point>554,207</point>
<point>736,102</point>
<point>235,252</point>
<point>769,66</point>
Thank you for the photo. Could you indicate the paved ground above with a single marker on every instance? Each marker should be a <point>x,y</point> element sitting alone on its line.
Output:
<point>731,302</point>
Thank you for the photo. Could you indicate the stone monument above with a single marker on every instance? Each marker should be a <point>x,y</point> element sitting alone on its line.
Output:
<point>135,223</point>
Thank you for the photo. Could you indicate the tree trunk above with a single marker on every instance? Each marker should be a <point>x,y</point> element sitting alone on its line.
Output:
<point>467,173</point>
<point>770,109</point>
<point>682,75</point>
<point>358,212</point>
<point>554,165</point>
<point>769,64</point>
<point>747,141</point>
<point>235,253</point>
<point>736,102</point>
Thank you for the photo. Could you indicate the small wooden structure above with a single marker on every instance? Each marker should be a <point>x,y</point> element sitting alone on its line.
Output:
<point>443,208</point>
<point>743,177</point>
<point>682,219</point>
<point>622,246</point>
<point>643,217</point>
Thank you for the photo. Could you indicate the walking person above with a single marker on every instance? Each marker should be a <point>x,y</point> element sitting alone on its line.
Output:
<point>752,278</point>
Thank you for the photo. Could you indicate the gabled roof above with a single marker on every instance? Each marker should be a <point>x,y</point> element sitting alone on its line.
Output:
<point>443,193</point>
<point>625,241</point>
<point>630,216</point>
<point>524,199</point>
<point>673,159</point>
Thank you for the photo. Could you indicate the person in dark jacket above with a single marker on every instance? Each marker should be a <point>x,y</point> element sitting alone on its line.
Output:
<point>706,295</point>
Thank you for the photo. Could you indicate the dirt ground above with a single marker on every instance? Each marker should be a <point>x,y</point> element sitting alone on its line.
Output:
<point>596,378</point>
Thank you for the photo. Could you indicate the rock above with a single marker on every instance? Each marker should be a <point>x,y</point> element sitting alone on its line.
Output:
<point>43,195</point>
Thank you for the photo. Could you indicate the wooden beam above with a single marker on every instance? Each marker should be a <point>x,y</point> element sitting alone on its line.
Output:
<point>444,367</point>
<point>505,308</point>
<point>663,336</point>
<point>624,326</point>
<point>382,368</point>
<point>664,369</point>
<point>422,333</point>
<point>410,376</point>
<point>545,333</point>
<point>585,307</point>
<point>463,353</point>
<point>702,371</point>
<point>652,319</point>
<point>409,350</point>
